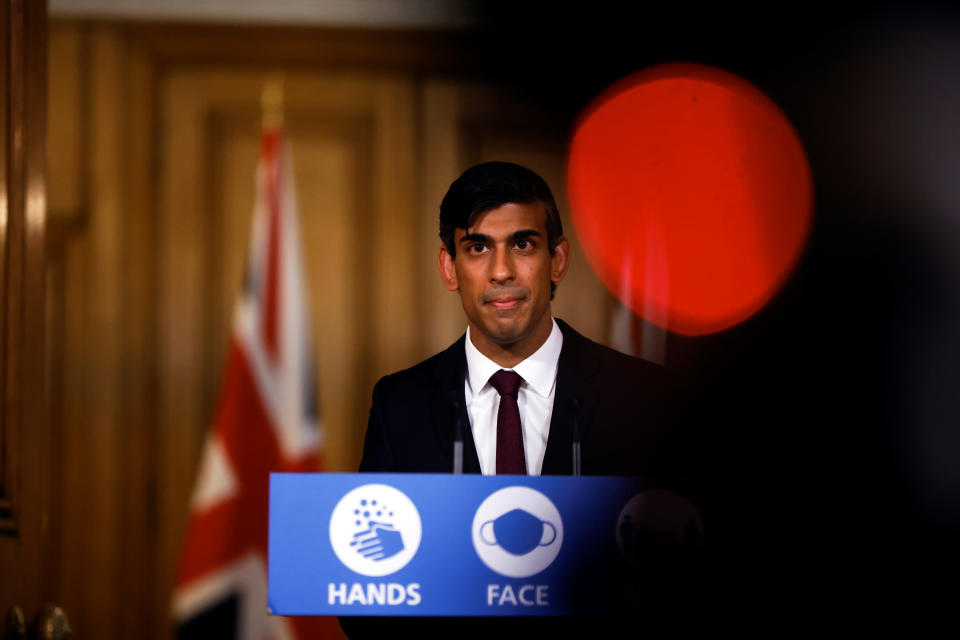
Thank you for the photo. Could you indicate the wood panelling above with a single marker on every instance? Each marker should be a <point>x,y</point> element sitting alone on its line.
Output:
<point>67,138</point>
<point>138,439</point>
<point>8,438</point>
<point>93,375</point>
<point>403,53</point>
<point>156,139</point>
<point>27,469</point>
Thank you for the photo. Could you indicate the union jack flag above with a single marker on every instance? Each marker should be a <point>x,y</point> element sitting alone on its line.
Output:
<point>266,420</point>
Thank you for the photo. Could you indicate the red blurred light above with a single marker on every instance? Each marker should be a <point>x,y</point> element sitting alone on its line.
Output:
<point>691,195</point>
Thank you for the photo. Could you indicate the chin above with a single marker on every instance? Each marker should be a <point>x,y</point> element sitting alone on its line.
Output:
<point>507,335</point>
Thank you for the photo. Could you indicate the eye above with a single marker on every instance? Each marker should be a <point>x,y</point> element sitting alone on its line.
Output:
<point>524,244</point>
<point>477,247</point>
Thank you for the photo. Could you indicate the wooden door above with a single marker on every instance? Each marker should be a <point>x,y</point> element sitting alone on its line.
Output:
<point>28,450</point>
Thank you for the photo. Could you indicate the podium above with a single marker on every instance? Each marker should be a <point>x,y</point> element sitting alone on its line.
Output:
<point>380,544</point>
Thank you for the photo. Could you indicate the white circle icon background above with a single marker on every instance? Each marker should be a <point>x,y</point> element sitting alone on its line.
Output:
<point>499,559</point>
<point>353,515</point>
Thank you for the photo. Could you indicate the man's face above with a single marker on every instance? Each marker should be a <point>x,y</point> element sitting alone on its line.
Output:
<point>503,270</point>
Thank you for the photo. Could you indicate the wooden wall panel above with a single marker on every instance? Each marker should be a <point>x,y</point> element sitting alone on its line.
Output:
<point>93,424</point>
<point>443,319</point>
<point>27,471</point>
<point>9,442</point>
<point>137,559</point>
<point>67,139</point>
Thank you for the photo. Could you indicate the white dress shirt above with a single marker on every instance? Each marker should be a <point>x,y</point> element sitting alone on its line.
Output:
<point>534,399</point>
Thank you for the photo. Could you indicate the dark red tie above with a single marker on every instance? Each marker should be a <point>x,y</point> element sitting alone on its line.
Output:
<point>510,457</point>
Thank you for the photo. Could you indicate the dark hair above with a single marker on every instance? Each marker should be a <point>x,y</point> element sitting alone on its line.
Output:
<point>490,185</point>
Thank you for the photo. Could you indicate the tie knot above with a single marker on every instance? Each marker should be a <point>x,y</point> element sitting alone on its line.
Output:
<point>506,382</point>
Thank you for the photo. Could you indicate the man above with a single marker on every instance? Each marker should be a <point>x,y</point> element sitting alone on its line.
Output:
<point>504,252</point>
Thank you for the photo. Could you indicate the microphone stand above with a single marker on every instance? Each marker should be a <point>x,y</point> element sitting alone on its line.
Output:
<point>576,437</point>
<point>457,441</point>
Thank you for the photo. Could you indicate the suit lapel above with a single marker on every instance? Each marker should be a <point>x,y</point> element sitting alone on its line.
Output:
<point>449,375</point>
<point>575,399</point>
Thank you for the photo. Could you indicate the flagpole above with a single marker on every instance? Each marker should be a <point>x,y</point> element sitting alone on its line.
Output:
<point>271,102</point>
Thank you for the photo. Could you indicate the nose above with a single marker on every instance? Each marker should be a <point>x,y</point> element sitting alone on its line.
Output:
<point>502,267</point>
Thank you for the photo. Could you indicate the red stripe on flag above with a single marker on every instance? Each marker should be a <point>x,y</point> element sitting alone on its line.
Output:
<point>271,157</point>
<point>232,528</point>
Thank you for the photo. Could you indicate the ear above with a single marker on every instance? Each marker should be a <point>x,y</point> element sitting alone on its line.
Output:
<point>560,261</point>
<point>448,271</point>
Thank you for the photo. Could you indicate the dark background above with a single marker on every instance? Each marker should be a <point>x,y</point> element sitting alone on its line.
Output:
<point>838,400</point>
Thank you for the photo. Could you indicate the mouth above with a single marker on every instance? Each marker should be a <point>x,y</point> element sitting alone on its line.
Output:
<point>504,302</point>
<point>505,298</point>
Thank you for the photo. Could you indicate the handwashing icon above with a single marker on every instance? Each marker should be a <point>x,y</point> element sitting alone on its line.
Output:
<point>518,532</point>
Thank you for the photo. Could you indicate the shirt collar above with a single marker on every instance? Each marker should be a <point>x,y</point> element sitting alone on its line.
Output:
<point>539,370</point>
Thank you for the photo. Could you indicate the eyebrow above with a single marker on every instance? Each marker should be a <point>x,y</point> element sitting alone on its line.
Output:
<point>522,234</point>
<point>471,238</point>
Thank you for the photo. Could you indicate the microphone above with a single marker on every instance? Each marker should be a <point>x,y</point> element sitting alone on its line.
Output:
<point>576,436</point>
<point>457,438</point>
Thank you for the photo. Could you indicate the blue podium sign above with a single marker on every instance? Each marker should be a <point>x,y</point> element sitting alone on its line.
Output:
<point>466,545</point>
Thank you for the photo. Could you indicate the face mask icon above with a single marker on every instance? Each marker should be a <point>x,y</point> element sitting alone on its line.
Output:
<point>518,532</point>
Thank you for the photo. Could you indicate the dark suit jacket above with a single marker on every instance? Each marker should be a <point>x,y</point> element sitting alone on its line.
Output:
<point>621,407</point>
<point>619,403</point>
